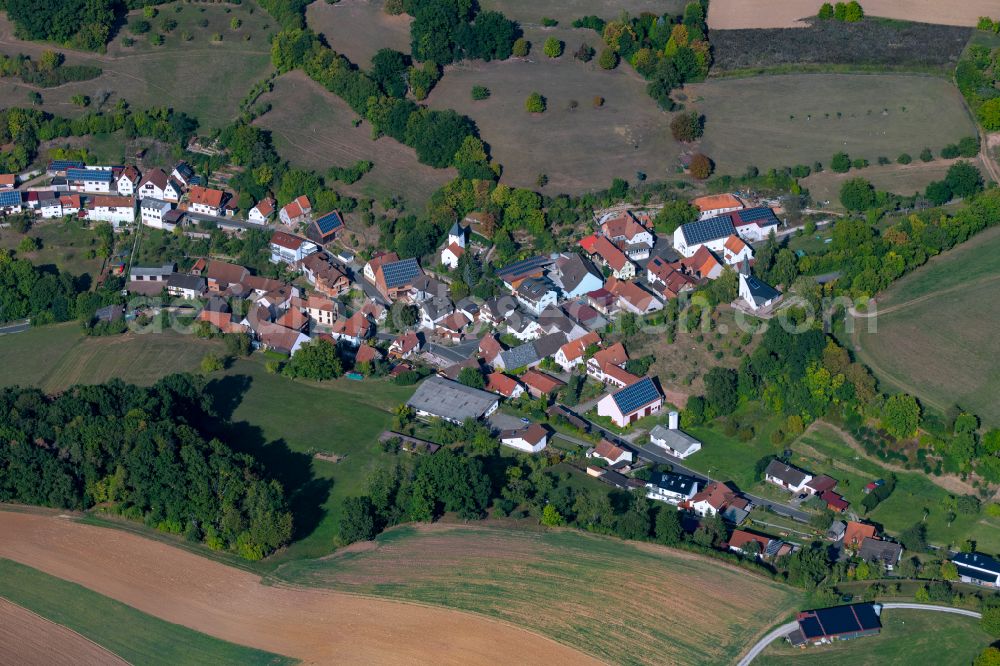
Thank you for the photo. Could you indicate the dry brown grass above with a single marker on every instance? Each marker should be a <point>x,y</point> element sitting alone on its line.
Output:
<point>27,639</point>
<point>736,14</point>
<point>317,626</point>
<point>359,28</point>
<point>312,128</point>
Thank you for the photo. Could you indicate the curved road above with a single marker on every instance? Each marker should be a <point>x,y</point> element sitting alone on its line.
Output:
<point>786,629</point>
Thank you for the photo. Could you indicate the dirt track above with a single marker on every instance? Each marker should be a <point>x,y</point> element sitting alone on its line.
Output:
<point>27,639</point>
<point>736,14</point>
<point>313,625</point>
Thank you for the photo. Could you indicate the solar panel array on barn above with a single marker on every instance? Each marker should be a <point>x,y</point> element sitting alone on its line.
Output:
<point>839,622</point>
<point>399,273</point>
<point>703,231</point>
<point>763,216</point>
<point>11,198</point>
<point>90,174</point>
<point>637,395</point>
<point>329,223</point>
<point>63,165</point>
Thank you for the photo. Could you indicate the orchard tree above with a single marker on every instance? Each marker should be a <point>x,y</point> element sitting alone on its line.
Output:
<point>535,103</point>
<point>841,163</point>
<point>609,60</point>
<point>687,126</point>
<point>964,179</point>
<point>701,166</point>
<point>553,48</point>
<point>521,47</point>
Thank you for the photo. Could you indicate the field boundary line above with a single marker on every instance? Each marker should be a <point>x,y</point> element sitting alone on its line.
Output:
<point>63,626</point>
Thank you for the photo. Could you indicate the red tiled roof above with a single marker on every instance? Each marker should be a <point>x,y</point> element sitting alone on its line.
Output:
<point>320,303</point>
<point>131,173</point>
<point>265,207</point>
<point>8,179</point>
<point>366,354</point>
<point>574,349</point>
<point>156,177</point>
<point>717,495</point>
<point>606,449</point>
<point>613,355</point>
<point>834,500</point>
<point>286,240</point>
<point>456,321</point>
<point>541,381</point>
<point>298,207</point>
<point>614,257</point>
<point>630,292</point>
<point>587,243</point>
<point>857,532</point>
<point>293,318</point>
<point>113,202</point>
<point>498,382</point>
<point>205,196</point>
<point>533,434</point>
<point>740,538</point>
<point>620,375</point>
<point>226,273</point>
<point>735,244</point>
<point>456,250</point>
<point>490,348</point>
<point>355,327</point>
<point>717,202</point>
<point>405,342</point>
<point>625,225</point>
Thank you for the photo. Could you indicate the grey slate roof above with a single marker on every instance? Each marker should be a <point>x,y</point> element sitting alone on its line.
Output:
<point>760,291</point>
<point>886,552</point>
<point>675,483</point>
<point>150,203</point>
<point>790,475</point>
<point>450,400</point>
<point>520,356</point>
<point>574,269</point>
<point>165,269</point>
<point>185,281</point>
<point>548,345</point>
<point>675,439</point>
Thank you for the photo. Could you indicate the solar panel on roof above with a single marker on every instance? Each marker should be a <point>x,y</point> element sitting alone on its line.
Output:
<point>523,265</point>
<point>328,223</point>
<point>12,198</point>
<point>635,396</point>
<point>400,272</point>
<point>757,215</point>
<point>89,174</point>
<point>62,165</point>
<point>711,229</point>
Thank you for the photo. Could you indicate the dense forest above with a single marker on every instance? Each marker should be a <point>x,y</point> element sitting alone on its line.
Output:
<point>82,24</point>
<point>139,453</point>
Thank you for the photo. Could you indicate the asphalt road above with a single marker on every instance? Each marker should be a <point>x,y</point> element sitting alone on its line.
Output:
<point>17,327</point>
<point>786,629</point>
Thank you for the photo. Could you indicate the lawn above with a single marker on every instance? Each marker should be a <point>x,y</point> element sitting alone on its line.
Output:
<point>202,77</point>
<point>531,12</point>
<point>935,334</point>
<point>823,451</point>
<point>803,118</point>
<point>579,148</point>
<point>726,458</point>
<point>65,245</point>
<point>133,635</point>
<point>907,637</point>
<point>359,28</point>
<point>314,129</point>
<point>596,593</point>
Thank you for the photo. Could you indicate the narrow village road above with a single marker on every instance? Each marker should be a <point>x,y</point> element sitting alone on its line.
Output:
<point>786,629</point>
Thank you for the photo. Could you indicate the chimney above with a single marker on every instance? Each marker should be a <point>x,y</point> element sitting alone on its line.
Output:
<point>673,420</point>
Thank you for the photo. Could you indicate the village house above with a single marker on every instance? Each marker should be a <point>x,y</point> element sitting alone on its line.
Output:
<point>886,553</point>
<point>718,498</point>
<point>322,274</point>
<point>635,401</point>
<point>496,311</point>
<point>271,336</point>
<point>8,181</point>
<point>540,384</point>
<point>149,280</point>
<point>571,354</point>
<point>354,330</point>
<point>610,453</point>
<point>757,294</point>
<point>154,185</point>
<point>221,320</point>
<point>434,311</point>
<point>152,212</point>
<point>524,327</point>
<point>206,201</point>
<point>531,439</point>
<point>754,224</point>
<point>761,547</point>
<point>185,286</point>
<point>71,204</point>
<point>50,208</point>
<point>714,205</point>
<point>490,349</point>
<point>261,212</point>
<point>367,354</point>
<point>406,345</point>
<point>787,477</point>
<point>627,233</point>
<point>60,167</point>
<point>396,278</point>
<point>452,327</point>
<point>183,174</point>
<point>608,367</point>
<point>673,440</point>
<point>605,253</point>
<point>325,228</point>
<point>977,569</point>
<point>222,275</point>
<point>513,274</point>
<point>855,533</point>
<point>671,488</point>
<point>289,249</point>
<point>116,210</point>
<point>735,251</point>
<point>711,234</point>
<point>451,401</point>
<point>576,276</point>
<point>536,294</point>
<point>97,180</point>
<point>295,211</point>
<point>127,181</point>
<point>633,298</point>
<point>321,310</point>
<point>702,265</point>
<point>505,385</point>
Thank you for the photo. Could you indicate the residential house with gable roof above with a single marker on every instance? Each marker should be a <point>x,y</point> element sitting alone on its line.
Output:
<point>406,345</point>
<point>206,201</point>
<point>635,401</point>
<point>610,453</point>
<point>604,252</point>
<point>289,249</point>
<point>541,384</point>
<point>536,294</point>
<point>326,227</point>
<point>633,298</point>
<point>127,181</point>
<point>395,278</point>
<point>530,439</point>
<point>719,498</point>
<point>261,212</point>
<point>571,354</point>
<point>576,276</point>
<point>322,274</point>
<point>762,547</point>
<point>977,569</point>
<point>628,234</point>
<point>116,210</point>
<point>714,205</point>
<point>92,179</point>
<point>153,185</point>
<point>295,211</point>
<point>786,476</point>
<point>671,488</point>
<point>505,385</point>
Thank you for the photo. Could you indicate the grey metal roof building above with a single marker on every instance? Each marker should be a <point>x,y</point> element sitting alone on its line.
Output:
<point>452,401</point>
<point>761,292</point>
<point>165,269</point>
<point>676,440</point>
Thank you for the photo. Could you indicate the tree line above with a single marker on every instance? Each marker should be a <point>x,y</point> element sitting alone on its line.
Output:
<point>139,453</point>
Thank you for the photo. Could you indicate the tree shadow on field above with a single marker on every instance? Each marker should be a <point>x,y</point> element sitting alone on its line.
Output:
<point>292,469</point>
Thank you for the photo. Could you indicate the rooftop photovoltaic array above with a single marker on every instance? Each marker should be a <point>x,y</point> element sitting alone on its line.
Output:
<point>12,198</point>
<point>89,174</point>
<point>400,272</point>
<point>523,266</point>
<point>637,395</point>
<point>329,222</point>
<point>62,165</point>
<point>765,215</point>
<point>711,229</point>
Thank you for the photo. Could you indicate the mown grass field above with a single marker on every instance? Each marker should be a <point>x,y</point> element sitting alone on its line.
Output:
<point>936,331</point>
<point>203,78</point>
<point>619,601</point>
<point>579,149</point>
<point>531,12</point>
<point>793,119</point>
<point>280,421</point>
<point>131,634</point>
<point>313,129</point>
<point>899,179</point>
<point>63,245</point>
<point>359,28</point>
<point>907,637</point>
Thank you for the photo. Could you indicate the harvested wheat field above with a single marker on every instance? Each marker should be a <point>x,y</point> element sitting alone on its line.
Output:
<point>736,14</point>
<point>316,626</point>
<point>568,585</point>
<point>27,639</point>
